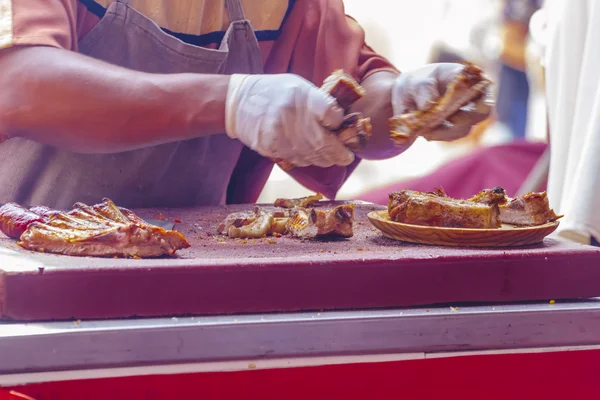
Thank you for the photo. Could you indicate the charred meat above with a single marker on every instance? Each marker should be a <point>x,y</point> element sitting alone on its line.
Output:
<point>310,224</point>
<point>356,129</point>
<point>488,209</point>
<point>435,209</point>
<point>303,202</point>
<point>470,85</point>
<point>530,209</point>
<point>15,219</point>
<point>343,87</point>
<point>101,230</point>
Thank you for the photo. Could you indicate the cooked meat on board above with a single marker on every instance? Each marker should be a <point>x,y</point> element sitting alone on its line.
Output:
<point>488,209</point>
<point>315,223</point>
<point>470,85</point>
<point>101,230</point>
<point>307,201</point>
<point>298,218</point>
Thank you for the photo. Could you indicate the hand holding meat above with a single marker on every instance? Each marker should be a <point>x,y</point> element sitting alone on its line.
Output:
<point>439,102</point>
<point>286,117</point>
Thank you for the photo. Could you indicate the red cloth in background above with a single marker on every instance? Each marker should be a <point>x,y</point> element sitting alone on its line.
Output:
<point>505,165</point>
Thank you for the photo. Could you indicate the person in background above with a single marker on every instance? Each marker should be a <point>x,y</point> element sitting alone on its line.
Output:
<point>513,86</point>
<point>164,103</point>
<point>572,67</point>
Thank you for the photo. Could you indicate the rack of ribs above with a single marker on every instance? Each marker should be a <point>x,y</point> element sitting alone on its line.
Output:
<point>101,230</point>
<point>356,129</point>
<point>470,85</point>
<point>488,209</point>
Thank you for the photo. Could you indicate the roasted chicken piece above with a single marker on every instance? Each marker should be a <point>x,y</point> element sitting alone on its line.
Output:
<point>303,202</point>
<point>437,209</point>
<point>101,230</point>
<point>470,85</point>
<point>314,223</point>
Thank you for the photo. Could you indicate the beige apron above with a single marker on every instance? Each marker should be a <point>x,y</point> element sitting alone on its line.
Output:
<point>194,172</point>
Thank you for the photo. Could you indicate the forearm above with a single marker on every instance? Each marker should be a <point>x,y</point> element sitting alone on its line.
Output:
<point>377,104</point>
<point>74,102</point>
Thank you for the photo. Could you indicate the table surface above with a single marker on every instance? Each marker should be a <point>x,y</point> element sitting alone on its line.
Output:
<point>85,345</point>
<point>219,276</point>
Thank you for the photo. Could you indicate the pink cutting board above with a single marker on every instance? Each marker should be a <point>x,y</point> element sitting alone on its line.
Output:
<point>221,276</point>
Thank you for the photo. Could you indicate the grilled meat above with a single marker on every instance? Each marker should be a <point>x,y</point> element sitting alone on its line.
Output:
<point>437,209</point>
<point>526,210</point>
<point>356,129</point>
<point>303,202</point>
<point>496,195</point>
<point>14,219</point>
<point>343,87</point>
<point>469,85</point>
<point>236,220</point>
<point>489,208</point>
<point>314,223</point>
<point>101,230</point>
<point>258,228</point>
<point>300,222</point>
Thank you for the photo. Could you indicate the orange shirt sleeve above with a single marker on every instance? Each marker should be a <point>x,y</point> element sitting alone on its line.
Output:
<point>317,38</point>
<point>38,22</point>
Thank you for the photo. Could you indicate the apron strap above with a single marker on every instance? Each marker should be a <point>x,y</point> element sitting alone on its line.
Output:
<point>235,10</point>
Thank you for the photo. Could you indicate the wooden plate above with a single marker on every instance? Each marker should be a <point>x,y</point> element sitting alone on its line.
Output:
<point>507,235</point>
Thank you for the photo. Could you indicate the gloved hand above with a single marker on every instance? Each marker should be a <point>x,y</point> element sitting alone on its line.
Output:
<point>285,117</point>
<point>420,89</point>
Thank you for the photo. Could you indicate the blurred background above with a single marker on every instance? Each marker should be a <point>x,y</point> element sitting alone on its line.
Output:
<point>504,150</point>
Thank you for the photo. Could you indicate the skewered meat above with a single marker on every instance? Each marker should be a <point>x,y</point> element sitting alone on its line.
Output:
<point>436,209</point>
<point>356,129</point>
<point>14,219</point>
<point>309,224</point>
<point>101,230</point>
<point>303,202</point>
<point>468,86</point>
<point>526,210</point>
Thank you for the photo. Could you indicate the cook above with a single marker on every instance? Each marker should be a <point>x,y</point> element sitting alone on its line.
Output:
<point>162,103</point>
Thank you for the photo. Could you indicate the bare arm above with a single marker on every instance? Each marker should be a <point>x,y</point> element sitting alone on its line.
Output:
<point>74,102</point>
<point>377,104</point>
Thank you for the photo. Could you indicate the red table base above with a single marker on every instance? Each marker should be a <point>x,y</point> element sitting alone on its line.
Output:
<point>565,375</point>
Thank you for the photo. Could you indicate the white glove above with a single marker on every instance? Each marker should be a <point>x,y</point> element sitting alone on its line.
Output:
<point>421,89</point>
<point>285,117</point>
